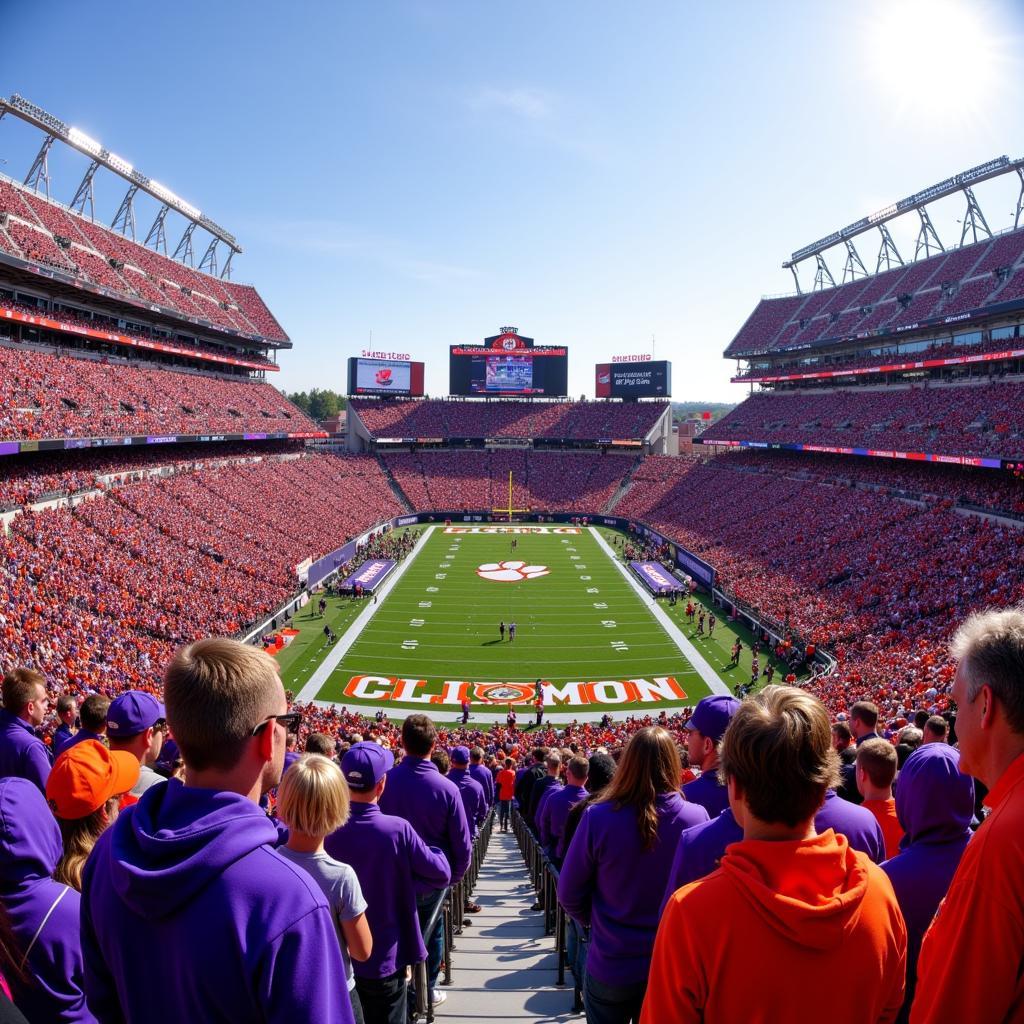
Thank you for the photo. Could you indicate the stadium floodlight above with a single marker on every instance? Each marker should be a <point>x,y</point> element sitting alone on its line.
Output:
<point>119,165</point>
<point>173,200</point>
<point>83,141</point>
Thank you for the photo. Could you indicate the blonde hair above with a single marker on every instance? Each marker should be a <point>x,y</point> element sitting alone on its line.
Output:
<point>877,759</point>
<point>313,797</point>
<point>217,691</point>
<point>78,837</point>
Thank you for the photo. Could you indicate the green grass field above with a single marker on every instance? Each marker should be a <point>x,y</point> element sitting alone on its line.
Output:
<point>581,627</point>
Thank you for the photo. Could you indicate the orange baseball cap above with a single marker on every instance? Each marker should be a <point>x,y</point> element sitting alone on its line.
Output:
<point>86,776</point>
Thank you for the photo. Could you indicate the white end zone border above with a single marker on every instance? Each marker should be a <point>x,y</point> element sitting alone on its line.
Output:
<point>348,638</point>
<point>693,656</point>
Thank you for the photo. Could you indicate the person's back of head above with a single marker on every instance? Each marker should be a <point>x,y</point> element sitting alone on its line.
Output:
<point>218,693</point>
<point>320,743</point>
<point>577,770</point>
<point>876,768</point>
<point>24,687</point>
<point>441,760</point>
<point>540,754</point>
<point>313,797</point>
<point>777,753</point>
<point>863,717</point>
<point>602,769</point>
<point>648,767</point>
<point>476,755</point>
<point>93,713</point>
<point>553,762</point>
<point>418,735</point>
<point>841,735</point>
<point>911,736</point>
<point>935,729</point>
<point>920,717</point>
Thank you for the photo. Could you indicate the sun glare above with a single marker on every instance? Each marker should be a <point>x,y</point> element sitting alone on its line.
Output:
<point>936,58</point>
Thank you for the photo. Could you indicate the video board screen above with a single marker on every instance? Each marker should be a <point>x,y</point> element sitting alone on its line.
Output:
<point>508,364</point>
<point>384,377</point>
<point>648,379</point>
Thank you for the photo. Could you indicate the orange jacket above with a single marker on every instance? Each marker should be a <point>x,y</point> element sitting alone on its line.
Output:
<point>885,814</point>
<point>972,958</point>
<point>791,931</point>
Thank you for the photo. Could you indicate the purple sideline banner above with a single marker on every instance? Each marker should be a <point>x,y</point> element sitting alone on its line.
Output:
<point>370,574</point>
<point>655,577</point>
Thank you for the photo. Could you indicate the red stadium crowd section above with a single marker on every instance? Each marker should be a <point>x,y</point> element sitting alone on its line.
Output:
<point>98,597</point>
<point>542,481</point>
<point>44,395</point>
<point>974,420</point>
<point>34,224</point>
<point>571,421</point>
<point>946,285</point>
<point>880,581</point>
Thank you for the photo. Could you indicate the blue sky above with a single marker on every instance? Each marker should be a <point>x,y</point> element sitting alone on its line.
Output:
<point>594,173</point>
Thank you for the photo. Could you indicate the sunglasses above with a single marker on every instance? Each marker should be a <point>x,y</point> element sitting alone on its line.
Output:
<point>290,721</point>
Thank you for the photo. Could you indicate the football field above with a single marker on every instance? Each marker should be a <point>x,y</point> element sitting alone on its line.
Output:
<point>584,627</point>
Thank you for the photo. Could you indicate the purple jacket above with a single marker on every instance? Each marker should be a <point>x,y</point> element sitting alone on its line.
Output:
<point>545,798</point>
<point>474,800</point>
<point>702,847</point>
<point>553,814</point>
<point>611,883</point>
<point>22,753</point>
<point>62,736</point>
<point>189,914</point>
<point>935,804</point>
<point>432,804</point>
<point>537,793</point>
<point>483,775</point>
<point>392,863</point>
<point>30,846</point>
<point>707,791</point>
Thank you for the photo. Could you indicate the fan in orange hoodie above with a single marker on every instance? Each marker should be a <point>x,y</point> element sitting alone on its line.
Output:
<point>792,922</point>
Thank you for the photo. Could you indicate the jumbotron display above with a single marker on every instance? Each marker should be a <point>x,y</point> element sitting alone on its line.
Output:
<point>509,364</point>
<point>384,377</point>
<point>646,379</point>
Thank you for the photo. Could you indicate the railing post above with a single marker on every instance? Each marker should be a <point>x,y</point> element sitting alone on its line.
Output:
<point>449,943</point>
<point>560,941</point>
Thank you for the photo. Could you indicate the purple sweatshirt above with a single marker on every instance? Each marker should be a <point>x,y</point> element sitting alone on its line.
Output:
<point>553,813</point>
<point>935,804</point>
<point>22,753</point>
<point>418,792</point>
<point>189,914</point>
<point>612,883</point>
<point>474,799</point>
<point>483,775</point>
<point>702,847</point>
<point>392,864</point>
<point>30,846</point>
<point>707,791</point>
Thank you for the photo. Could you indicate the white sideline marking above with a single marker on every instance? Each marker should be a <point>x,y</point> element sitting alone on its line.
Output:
<point>696,659</point>
<point>348,638</point>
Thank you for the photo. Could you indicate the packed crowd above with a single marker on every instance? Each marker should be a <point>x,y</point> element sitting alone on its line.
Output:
<point>976,420</point>
<point>947,284</point>
<point>541,481</point>
<point>98,596</point>
<point>569,421</point>
<point>877,580</point>
<point>45,395</point>
<point>34,223</point>
<point>844,858</point>
<point>142,339</point>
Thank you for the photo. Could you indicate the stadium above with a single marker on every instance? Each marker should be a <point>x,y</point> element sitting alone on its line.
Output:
<point>529,571</point>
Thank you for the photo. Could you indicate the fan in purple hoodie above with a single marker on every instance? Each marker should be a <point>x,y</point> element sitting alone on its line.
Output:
<point>39,908</point>
<point>188,911</point>
<point>935,804</point>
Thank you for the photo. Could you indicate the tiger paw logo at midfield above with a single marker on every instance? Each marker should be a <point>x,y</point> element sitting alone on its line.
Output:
<point>510,572</point>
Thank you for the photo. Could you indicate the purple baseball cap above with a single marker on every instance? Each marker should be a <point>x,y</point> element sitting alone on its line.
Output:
<point>459,755</point>
<point>712,715</point>
<point>133,712</point>
<point>365,764</point>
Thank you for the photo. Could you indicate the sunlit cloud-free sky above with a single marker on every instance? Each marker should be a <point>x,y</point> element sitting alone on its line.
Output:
<point>598,174</point>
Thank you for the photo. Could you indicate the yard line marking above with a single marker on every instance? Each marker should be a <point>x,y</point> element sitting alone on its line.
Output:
<point>348,638</point>
<point>699,662</point>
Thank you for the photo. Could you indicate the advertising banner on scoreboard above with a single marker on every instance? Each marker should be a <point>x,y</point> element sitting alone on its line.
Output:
<point>384,377</point>
<point>508,364</point>
<point>648,379</point>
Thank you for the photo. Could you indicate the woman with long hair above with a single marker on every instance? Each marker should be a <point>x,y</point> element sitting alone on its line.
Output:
<point>616,868</point>
<point>84,792</point>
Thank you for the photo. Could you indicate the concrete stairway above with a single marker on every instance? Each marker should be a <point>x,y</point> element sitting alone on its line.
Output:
<point>504,966</point>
